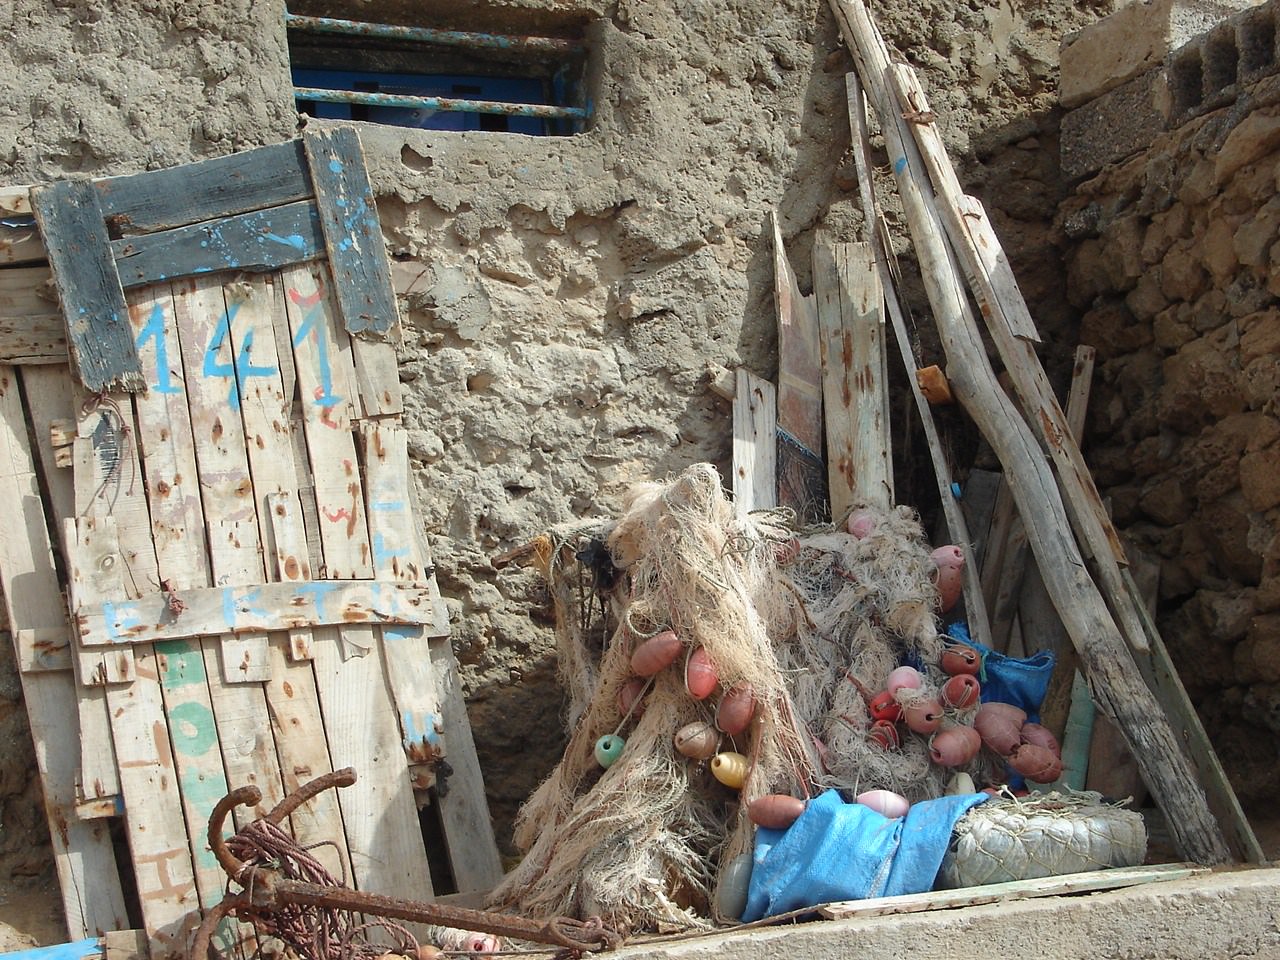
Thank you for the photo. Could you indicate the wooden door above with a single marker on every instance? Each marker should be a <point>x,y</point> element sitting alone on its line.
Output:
<point>227,481</point>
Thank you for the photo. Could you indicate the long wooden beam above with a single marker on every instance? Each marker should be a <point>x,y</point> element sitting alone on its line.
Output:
<point>1103,650</point>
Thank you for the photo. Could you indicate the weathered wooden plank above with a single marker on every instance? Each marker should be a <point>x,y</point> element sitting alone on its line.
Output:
<point>27,292</point>
<point>1103,648</point>
<point>755,443</point>
<point>243,655</point>
<point>850,313</point>
<point>43,650</point>
<point>48,403</point>
<point>80,257</point>
<point>253,608</point>
<point>975,610</point>
<point>377,375</point>
<point>997,274</point>
<point>383,835</point>
<point>292,563</point>
<point>89,880</point>
<point>473,854</point>
<point>801,474</point>
<point>109,488</point>
<point>298,727</point>
<point>92,554</point>
<point>207,190</point>
<point>26,341</point>
<point>20,240</point>
<point>395,557</point>
<point>353,235</point>
<point>326,383</point>
<point>1067,884</point>
<point>15,201</point>
<point>254,242</point>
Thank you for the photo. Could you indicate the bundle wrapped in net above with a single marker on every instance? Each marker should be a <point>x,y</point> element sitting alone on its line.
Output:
<point>641,842</point>
<point>1042,835</point>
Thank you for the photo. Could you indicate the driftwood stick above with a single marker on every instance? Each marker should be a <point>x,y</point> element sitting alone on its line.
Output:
<point>974,608</point>
<point>1118,687</point>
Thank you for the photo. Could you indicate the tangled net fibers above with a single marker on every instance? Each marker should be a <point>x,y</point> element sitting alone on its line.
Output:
<point>812,623</point>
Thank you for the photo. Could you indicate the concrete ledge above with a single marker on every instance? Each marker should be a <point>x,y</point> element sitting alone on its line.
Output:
<point>1114,125</point>
<point>1131,41</point>
<point>1231,913</point>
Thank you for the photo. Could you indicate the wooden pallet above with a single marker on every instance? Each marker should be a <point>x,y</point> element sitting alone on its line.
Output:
<point>227,476</point>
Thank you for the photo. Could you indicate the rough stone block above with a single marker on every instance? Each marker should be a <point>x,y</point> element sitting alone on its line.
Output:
<point>1114,125</point>
<point>1131,41</point>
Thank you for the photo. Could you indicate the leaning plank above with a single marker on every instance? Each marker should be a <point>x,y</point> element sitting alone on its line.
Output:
<point>1103,649</point>
<point>850,312</point>
<point>755,443</point>
<point>208,190</point>
<point>292,695</point>
<point>1072,883</point>
<point>326,383</point>
<point>48,403</point>
<point>84,272</point>
<point>974,609</point>
<point>89,880</point>
<point>384,837</point>
<point>256,242</point>
<point>391,523</point>
<point>801,475</point>
<point>473,854</point>
<point>254,608</point>
<point>352,233</point>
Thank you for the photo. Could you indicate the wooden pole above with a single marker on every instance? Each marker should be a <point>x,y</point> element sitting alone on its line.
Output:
<point>974,608</point>
<point>1118,687</point>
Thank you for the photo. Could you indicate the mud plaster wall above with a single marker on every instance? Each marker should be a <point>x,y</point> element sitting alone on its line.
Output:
<point>562,298</point>
<point>1174,263</point>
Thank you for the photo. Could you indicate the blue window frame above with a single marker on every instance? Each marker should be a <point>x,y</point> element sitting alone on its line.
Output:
<point>348,70</point>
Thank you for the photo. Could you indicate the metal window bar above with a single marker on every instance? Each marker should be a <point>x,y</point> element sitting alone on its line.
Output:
<point>459,38</point>
<point>453,38</point>
<point>447,104</point>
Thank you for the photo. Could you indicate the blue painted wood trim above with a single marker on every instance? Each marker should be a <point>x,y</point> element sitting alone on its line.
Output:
<point>256,242</point>
<point>83,266</point>
<point>352,231</point>
<point>207,190</point>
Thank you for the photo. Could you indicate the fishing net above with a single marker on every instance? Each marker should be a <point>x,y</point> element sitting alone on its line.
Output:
<point>1042,835</point>
<point>813,622</point>
<point>869,604</point>
<point>639,843</point>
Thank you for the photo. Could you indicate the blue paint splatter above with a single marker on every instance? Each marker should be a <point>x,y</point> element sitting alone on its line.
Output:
<point>900,164</point>
<point>154,330</point>
<point>335,166</point>
<point>294,240</point>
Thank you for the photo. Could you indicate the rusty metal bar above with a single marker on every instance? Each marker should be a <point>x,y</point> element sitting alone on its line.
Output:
<point>453,38</point>
<point>445,104</point>
<point>268,891</point>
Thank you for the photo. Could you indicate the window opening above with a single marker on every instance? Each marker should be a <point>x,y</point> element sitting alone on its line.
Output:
<point>433,79</point>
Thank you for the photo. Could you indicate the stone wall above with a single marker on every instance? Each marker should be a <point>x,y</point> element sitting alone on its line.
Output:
<point>1173,263</point>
